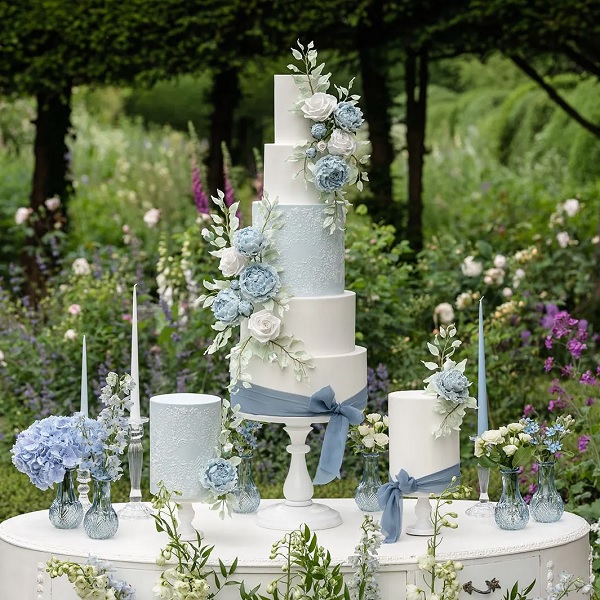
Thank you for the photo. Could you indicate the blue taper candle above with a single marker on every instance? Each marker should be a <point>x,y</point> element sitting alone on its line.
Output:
<point>482,403</point>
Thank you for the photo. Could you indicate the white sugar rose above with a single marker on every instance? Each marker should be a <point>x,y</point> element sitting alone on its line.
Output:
<point>232,262</point>
<point>341,143</point>
<point>510,449</point>
<point>264,326</point>
<point>319,106</point>
<point>492,436</point>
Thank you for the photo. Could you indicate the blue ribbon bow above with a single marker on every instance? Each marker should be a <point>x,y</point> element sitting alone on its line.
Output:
<point>336,433</point>
<point>391,495</point>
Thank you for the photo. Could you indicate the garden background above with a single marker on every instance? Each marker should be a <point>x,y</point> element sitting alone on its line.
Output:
<point>486,182</point>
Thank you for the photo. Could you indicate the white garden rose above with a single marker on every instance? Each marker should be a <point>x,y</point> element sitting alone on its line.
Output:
<point>152,217</point>
<point>70,335</point>
<point>470,267</point>
<point>515,427</point>
<point>571,207</point>
<point>373,417</point>
<point>525,438</point>
<point>81,267</point>
<point>381,439</point>
<point>52,203</point>
<point>364,430</point>
<point>341,143</point>
<point>563,239</point>
<point>232,262</point>
<point>503,431</point>
<point>500,261</point>
<point>22,215</point>
<point>319,106</point>
<point>264,326</point>
<point>444,313</point>
<point>492,436</point>
<point>479,447</point>
<point>509,449</point>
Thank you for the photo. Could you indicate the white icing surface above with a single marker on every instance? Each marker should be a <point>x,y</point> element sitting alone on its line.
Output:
<point>345,373</point>
<point>284,179</point>
<point>412,444</point>
<point>290,128</point>
<point>311,259</point>
<point>184,434</point>
<point>325,325</point>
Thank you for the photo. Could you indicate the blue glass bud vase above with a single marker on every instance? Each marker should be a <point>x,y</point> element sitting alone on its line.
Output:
<point>511,511</point>
<point>101,521</point>
<point>66,511</point>
<point>546,505</point>
<point>366,492</point>
<point>246,494</point>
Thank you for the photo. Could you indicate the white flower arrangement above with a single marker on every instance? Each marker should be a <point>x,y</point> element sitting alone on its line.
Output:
<point>371,436</point>
<point>448,383</point>
<point>252,290</point>
<point>329,159</point>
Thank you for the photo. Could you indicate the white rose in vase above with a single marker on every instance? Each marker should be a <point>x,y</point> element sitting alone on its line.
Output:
<point>264,326</point>
<point>509,449</point>
<point>232,262</point>
<point>492,436</point>
<point>341,143</point>
<point>319,106</point>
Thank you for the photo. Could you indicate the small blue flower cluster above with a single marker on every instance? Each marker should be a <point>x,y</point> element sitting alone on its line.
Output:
<point>245,440</point>
<point>47,448</point>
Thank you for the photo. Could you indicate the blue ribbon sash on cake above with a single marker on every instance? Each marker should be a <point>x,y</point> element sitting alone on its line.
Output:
<point>390,496</point>
<point>258,400</point>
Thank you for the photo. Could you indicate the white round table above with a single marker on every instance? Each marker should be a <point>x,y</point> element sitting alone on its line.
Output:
<point>28,541</point>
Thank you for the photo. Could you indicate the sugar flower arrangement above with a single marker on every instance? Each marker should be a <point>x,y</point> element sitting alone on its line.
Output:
<point>547,439</point>
<point>47,448</point>
<point>509,447</point>
<point>371,436</point>
<point>251,290</point>
<point>448,382</point>
<point>91,580</point>
<point>329,158</point>
<point>106,437</point>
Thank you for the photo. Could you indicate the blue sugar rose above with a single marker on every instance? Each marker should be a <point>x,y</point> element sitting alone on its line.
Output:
<point>318,131</point>
<point>259,282</point>
<point>246,308</point>
<point>348,117</point>
<point>311,152</point>
<point>226,307</point>
<point>331,173</point>
<point>451,385</point>
<point>219,475</point>
<point>250,242</point>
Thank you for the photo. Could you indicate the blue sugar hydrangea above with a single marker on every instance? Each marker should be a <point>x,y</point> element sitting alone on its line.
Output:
<point>331,173</point>
<point>451,385</point>
<point>318,131</point>
<point>226,307</point>
<point>250,242</point>
<point>259,282</point>
<point>348,117</point>
<point>219,476</point>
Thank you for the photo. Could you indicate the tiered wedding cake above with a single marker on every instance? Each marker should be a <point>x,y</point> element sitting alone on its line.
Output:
<point>311,263</point>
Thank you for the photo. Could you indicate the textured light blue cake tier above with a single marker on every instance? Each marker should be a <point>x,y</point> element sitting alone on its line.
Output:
<point>311,259</point>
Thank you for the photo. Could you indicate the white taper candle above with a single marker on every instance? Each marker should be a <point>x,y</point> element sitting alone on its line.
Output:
<point>84,383</point>
<point>135,374</point>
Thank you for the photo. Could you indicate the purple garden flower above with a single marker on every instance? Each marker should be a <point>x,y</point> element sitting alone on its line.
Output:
<point>588,379</point>
<point>200,197</point>
<point>575,347</point>
<point>548,364</point>
<point>582,442</point>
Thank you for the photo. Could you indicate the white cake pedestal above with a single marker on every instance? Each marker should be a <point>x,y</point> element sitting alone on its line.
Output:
<point>298,489</point>
<point>424,524</point>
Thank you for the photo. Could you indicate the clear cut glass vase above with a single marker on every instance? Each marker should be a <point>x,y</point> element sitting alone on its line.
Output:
<point>101,521</point>
<point>66,511</point>
<point>511,511</point>
<point>366,492</point>
<point>546,505</point>
<point>247,495</point>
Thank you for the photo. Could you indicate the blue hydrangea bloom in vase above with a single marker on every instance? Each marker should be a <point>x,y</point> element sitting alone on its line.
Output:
<point>48,451</point>
<point>546,504</point>
<point>370,438</point>
<point>106,439</point>
<point>508,449</point>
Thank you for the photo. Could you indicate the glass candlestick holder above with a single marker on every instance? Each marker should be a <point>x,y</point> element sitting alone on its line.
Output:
<point>483,508</point>
<point>135,508</point>
<point>83,488</point>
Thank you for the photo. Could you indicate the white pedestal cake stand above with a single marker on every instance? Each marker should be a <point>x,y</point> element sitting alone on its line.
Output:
<point>298,507</point>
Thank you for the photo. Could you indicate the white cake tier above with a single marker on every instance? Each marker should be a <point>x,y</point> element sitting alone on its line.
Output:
<point>290,128</point>
<point>345,373</point>
<point>284,179</point>
<point>413,446</point>
<point>184,436</point>
<point>311,259</point>
<point>325,325</point>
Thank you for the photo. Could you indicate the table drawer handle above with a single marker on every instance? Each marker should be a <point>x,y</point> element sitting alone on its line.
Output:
<point>492,585</point>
